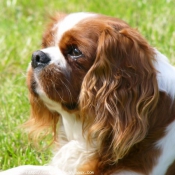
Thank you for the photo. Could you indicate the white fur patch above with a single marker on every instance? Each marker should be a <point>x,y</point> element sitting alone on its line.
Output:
<point>73,127</point>
<point>56,56</point>
<point>71,155</point>
<point>166,74</point>
<point>167,145</point>
<point>69,22</point>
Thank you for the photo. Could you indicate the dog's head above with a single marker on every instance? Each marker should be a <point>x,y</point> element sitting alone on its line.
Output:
<point>99,68</point>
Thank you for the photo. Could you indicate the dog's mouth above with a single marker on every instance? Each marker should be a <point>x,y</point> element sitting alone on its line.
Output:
<point>70,106</point>
<point>33,87</point>
<point>37,91</point>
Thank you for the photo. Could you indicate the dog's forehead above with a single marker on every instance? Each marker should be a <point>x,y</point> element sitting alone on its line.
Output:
<point>69,21</point>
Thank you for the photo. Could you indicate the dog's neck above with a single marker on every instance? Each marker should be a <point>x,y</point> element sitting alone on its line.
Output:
<point>72,126</point>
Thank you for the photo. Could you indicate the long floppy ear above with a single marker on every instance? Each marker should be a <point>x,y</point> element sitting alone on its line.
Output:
<point>119,92</point>
<point>41,119</point>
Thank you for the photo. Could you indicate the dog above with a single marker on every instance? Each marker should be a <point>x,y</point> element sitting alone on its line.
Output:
<point>107,97</point>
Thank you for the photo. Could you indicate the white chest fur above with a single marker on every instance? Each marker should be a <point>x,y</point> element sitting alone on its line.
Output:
<point>74,151</point>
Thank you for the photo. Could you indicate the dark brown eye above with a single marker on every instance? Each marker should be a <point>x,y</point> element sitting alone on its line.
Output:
<point>74,53</point>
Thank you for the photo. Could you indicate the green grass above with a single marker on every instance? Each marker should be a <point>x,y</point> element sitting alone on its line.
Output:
<point>21,27</point>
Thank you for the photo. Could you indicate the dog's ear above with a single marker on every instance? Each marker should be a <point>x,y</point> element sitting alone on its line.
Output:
<point>119,92</point>
<point>41,120</point>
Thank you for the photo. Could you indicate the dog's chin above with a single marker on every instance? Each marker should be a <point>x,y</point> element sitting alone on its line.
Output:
<point>38,92</point>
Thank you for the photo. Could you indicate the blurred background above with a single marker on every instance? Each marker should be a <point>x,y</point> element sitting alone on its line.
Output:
<point>21,26</point>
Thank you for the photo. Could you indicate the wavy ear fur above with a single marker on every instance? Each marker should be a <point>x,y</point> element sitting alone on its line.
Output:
<point>41,119</point>
<point>119,92</point>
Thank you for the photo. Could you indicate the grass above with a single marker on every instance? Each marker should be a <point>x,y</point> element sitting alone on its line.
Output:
<point>21,27</point>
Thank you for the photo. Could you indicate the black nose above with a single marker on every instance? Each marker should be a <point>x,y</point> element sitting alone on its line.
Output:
<point>39,58</point>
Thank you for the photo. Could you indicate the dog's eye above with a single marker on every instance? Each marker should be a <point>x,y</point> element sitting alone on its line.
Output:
<point>74,53</point>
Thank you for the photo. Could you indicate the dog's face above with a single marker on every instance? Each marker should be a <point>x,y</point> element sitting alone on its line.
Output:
<point>69,51</point>
<point>101,70</point>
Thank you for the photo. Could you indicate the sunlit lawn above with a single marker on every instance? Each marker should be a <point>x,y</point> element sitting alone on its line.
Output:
<point>21,26</point>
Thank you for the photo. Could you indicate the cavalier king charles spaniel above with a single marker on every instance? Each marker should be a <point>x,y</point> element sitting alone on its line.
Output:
<point>107,96</point>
